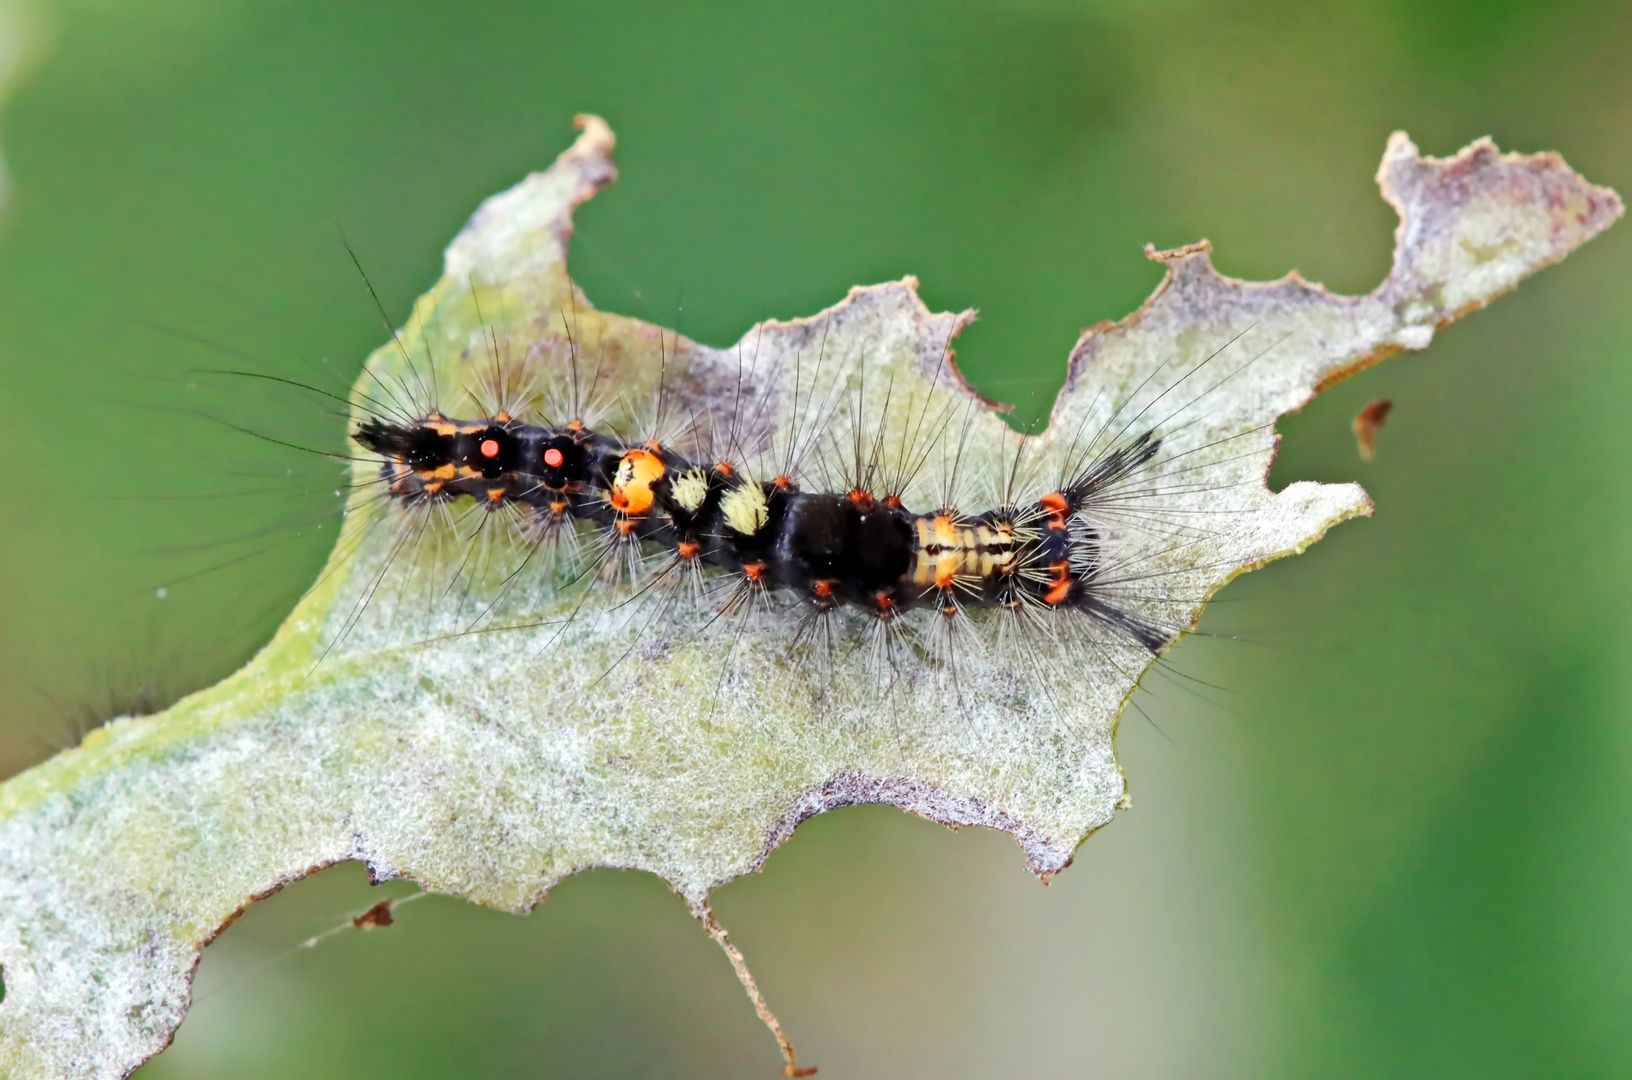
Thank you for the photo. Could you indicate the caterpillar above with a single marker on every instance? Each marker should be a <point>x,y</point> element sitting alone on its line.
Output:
<point>860,548</point>
<point>820,517</point>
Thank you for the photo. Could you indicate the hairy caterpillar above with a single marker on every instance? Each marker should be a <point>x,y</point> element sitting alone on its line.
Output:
<point>854,511</point>
<point>862,548</point>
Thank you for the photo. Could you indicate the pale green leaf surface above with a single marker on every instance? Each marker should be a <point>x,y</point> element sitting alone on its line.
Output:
<point>491,765</point>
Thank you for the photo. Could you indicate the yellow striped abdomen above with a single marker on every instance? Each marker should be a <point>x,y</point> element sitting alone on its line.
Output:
<point>950,551</point>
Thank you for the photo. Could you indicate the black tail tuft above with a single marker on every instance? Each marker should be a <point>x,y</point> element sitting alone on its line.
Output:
<point>1112,467</point>
<point>1108,615</point>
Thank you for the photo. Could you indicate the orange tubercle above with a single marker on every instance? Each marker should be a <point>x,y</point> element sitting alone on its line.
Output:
<point>632,486</point>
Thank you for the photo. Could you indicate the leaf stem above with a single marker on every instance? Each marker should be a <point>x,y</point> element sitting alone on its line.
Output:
<point>790,1066</point>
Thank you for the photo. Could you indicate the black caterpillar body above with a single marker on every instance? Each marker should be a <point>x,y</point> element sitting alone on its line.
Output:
<point>857,548</point>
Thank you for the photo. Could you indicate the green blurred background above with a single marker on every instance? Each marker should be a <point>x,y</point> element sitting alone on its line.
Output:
<point>1395,840</point>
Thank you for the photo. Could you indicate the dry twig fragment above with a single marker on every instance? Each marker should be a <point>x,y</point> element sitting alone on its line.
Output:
<point>1368,422</point>
<point>375,917</point>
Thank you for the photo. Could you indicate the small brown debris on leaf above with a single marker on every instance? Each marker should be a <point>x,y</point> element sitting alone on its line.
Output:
<point>1368,423</point>
<point>377,916</point>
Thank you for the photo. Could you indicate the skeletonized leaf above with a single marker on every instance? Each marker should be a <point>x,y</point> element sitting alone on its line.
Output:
<point>449,705</point>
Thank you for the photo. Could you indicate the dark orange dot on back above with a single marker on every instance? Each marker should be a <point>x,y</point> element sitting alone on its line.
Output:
<point>1060,591</point>
<point>490,448</point>
<point>553,458</point>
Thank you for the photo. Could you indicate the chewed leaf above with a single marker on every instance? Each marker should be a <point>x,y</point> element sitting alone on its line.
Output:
<point>486,701</point>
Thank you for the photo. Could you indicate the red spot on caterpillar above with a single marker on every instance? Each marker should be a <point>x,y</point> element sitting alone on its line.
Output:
<point>725,468</point>
<point>754,571</point>
<point>862,499</point>
<point>822,587</point>
<point>688,549</point>
<point>637,471</point>
<point>1054,503</point>
<point>553,458</point>
<point>782,483</point>
<point>1061,589</point>
<point>893,502</point>
<point>625,526</point>
<point>490,448</point>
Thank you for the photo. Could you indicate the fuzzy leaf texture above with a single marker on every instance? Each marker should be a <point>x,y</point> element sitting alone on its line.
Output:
<point>571,735</point>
